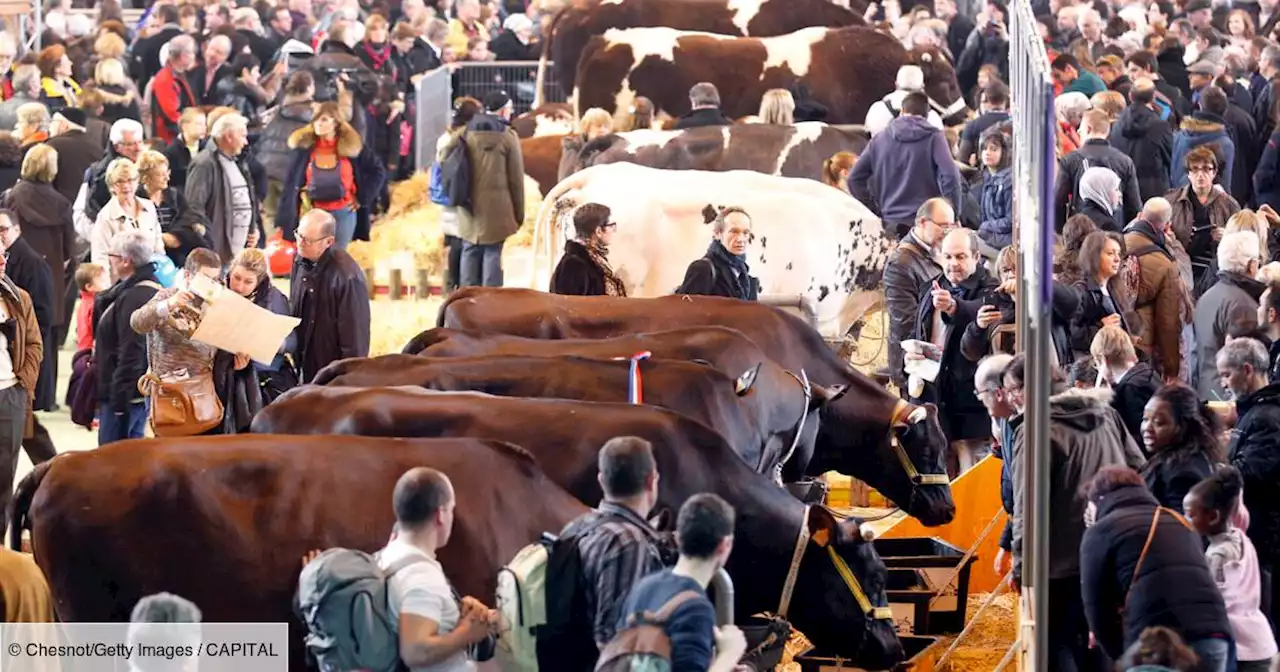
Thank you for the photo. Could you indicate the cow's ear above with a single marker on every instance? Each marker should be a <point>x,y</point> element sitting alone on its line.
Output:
<point>825,528</point>
<point>661,519</point>
<point>709,214</point>
<point>825,395</point>
<point>745,382</point>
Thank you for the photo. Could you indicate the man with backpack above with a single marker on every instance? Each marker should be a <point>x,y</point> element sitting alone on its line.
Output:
<point>1096,152</point>
<point>673,603</point>
<point>1145,138</point>
<point>599,557</point>
<point>910,78</point>
<point>425,625</point>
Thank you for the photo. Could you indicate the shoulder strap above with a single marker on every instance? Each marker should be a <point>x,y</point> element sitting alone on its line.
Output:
<point>407,561</point>
<point>150,283</point>
<point>663,614</point>
<point>1151,535</point>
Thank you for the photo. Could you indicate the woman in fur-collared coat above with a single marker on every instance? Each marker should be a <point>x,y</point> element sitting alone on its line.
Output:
<point>332,169</point>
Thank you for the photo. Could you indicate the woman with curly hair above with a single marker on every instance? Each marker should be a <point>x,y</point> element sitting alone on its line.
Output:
<point>1180,434</point>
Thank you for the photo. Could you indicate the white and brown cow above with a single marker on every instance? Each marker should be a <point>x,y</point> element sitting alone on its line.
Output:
<point>789,151</point>
<point>548,119</point>
<point>584,19</point>
<point>845,69</point>
<point>807,238</point>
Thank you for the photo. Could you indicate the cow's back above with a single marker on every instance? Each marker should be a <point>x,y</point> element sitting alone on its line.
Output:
<point>728,350</point>
<point>223,521</point>
<point>577,24</point>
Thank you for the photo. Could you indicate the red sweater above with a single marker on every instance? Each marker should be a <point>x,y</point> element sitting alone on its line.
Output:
<point>84,321</point>
<point>170,94</point>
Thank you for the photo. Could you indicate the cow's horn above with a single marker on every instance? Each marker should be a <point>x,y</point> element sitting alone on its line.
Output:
<point>867,533</point>
<point>918,415</point>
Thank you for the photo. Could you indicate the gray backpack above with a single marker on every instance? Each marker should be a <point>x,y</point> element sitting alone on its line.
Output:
<point>342,595</point>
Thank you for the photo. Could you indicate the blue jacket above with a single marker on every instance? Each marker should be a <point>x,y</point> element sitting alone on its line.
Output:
<point>905,165</point>
<point>691,627</point>
<point>1266,179</point>
<point>997,209</point>
<point>1199,129</point>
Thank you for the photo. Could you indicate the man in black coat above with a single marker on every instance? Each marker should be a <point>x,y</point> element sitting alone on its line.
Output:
<point>1254,449</point>
<point>1096,151</point>
<point>944,314</point>
<point>76,150</point>
<point>704,99</point>
<point>146,53</point>
<point>723,270</point>
<point>28,270</point>
<point>120,352</point>
<point>1147,139</point>
<point>1133,382</point>
<point>1143,65</point>
<point>329,295</point>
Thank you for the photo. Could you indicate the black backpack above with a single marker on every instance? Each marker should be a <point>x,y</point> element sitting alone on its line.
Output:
<point>567,642</point>
<point>455,173</point>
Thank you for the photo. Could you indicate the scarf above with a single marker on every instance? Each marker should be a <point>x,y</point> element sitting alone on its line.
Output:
<point>378,55</point>
<point>742,279</point>
<point>612,283</point>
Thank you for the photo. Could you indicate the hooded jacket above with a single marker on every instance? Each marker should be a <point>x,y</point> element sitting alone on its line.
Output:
<point>1203,128</point>
<point>1172,588</point>
<point>367,170</point>
<point>1162,301</point>
<point>119,102</point>
<point>1233,300</point>
<point>122,352</point>
<point>1147,139</point>
<point>1254,449</point>
<point>904,166</point>
<point>497,182</point>
<point>1085,435</point>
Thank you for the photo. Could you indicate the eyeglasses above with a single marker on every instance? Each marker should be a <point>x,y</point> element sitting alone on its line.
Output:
<point>1201,169</point>
<point>609,225</point>
<point>311,241</point>
<point>988,390</point>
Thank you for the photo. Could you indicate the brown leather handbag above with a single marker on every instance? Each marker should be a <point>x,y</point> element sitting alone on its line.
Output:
<point>184,407</point>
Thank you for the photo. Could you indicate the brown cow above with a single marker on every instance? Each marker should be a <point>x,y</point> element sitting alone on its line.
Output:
<point>565,437</point>
<point>726,349</point>
<point>857,431</point>
<point>663,64</point>
<point>577,24</point>
<point>789,151</point>
<point>223,521</point>
<point>763,412</point>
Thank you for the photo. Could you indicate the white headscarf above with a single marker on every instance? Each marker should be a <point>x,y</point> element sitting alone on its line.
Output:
<point>1099,185</point>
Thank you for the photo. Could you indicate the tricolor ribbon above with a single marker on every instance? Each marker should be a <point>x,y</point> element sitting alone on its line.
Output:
<point>635,388</point>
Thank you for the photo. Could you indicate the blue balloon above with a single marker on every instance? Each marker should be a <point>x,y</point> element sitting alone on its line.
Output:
<point>166,272</point>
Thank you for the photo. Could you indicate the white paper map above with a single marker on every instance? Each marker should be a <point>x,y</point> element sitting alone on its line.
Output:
<point>236,324</point>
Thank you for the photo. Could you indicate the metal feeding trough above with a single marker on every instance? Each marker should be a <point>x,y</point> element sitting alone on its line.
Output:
<point>920,654</point>
<point>928,584</point>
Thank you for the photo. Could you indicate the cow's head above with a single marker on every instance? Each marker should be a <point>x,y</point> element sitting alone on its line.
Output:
<point>835,617</point>
<point>941,84</point>
<point>922,488</point>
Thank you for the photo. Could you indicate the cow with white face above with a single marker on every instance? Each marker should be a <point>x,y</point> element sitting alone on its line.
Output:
<point>805,239</point>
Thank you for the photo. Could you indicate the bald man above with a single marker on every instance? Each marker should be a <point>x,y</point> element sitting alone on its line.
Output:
<point>328,293</point>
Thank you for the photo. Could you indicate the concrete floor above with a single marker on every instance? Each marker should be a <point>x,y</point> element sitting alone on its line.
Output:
<point>66,434</point>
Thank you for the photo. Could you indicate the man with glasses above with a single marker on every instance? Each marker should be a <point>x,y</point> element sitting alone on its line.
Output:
<point>95,193</point>
<point>909,273</point>
<point>988,385</point>
<point>328,294</point>
<point>723,270</point>
<point>120,353</point>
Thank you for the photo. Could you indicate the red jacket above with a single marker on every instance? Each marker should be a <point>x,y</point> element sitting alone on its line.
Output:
<point>170,94</point>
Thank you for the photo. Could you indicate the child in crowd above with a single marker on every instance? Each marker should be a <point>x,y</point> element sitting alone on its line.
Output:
<point>1212,506</point>
<point>90,279</point>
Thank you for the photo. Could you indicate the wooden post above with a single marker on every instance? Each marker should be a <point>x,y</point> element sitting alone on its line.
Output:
<point>397,283</point>
<point>423,290</point>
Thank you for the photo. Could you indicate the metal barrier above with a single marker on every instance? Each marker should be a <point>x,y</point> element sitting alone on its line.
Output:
<point>433,111</point>
<point>438,89</point>
<point>1034,130</point>
<point>518,78</point>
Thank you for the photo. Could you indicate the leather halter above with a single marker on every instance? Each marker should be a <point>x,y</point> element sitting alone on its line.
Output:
<point>803,379</point>
<point>842,568</point>
<point>901,411</point>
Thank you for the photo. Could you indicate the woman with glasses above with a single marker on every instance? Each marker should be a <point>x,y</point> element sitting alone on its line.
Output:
<point>1200,211</point>
<point>180,234</point>
<point>125,210</point>
<point>584,269</point>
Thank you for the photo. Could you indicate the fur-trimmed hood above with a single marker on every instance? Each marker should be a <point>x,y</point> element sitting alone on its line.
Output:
<point>1202,122</point>
<point>1084,410</point>
<point>349,142</point>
